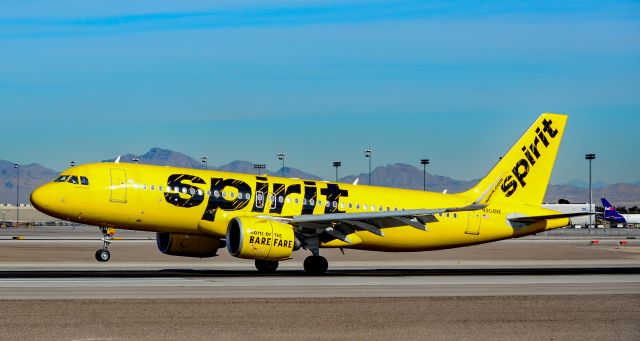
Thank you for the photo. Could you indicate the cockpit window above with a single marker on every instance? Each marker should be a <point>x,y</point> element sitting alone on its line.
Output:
<point>61,178</point>
<point>73,179</point>
<point>84,180</point>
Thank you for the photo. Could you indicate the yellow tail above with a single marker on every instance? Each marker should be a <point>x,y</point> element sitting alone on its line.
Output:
<point>522,175</point>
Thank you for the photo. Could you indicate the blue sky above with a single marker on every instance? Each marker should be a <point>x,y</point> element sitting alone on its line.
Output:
<point>456,82</point>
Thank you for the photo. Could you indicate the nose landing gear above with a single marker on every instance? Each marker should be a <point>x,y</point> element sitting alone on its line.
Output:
<point>103,255</point>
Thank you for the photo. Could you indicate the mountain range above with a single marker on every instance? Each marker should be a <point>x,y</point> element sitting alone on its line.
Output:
<point>397,175</point>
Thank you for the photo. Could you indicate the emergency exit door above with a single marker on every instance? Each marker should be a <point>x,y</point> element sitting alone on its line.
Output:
<point>118,185</point>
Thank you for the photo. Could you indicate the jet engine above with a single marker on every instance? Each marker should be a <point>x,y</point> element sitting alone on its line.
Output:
<point>188,245</point>
<point>263,239</point>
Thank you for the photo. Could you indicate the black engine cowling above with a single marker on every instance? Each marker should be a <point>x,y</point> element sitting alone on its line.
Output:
<point>188,245</point>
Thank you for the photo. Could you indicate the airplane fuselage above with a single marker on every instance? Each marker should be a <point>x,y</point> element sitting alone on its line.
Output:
<point>202,202</point>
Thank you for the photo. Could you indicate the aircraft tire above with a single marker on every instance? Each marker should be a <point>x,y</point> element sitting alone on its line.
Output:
<point>316,265</point>
<point>266,266</point>
<point>103,255</point>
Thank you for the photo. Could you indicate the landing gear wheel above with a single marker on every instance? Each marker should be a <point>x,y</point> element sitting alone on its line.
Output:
<point>103,255</point>
<point>266,266</point>
<point>316,265</point>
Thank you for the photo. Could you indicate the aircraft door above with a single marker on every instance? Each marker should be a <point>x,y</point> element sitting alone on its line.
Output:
<point>473,225</point>
<point>118,185</point>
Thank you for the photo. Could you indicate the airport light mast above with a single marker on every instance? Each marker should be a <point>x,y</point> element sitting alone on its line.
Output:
<point>367,154</point>
<point>424,163</point>
<point>590,157</point>
<point>259,166</point>
<point>204,159</point>
<point>337,164</point>
<point>281,158</point>
<point>17,167</point>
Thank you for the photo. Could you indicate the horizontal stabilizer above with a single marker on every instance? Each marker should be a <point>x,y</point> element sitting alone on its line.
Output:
<point>534,219</point>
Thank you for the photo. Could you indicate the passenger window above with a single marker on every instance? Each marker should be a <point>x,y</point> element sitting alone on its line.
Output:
<point>192,191</point>
<point>160,188</point>
<point>341,205</point>
<point>61,178</point>
<point>281,199</point>
<point>84,180</point>
<point>240,195</point>
<point>184,190</point>
<point>334,204</point>
<point>144,187</point>
<point>289,200</point>
<point>247,196</point>
<point>455,215</point>
<point>304,201</point>
<point>319,202</point>
<point>312,202</point>
<point>224,194</point>
<point>296,200</point>
<point>365,207</point>
<point>73,179</point>
<point>153,187</point>
<point>231,194</point>
<point>447,215</point>
<point>350,205</point>
<point>176,189</point>
<point>357,206</point>
<point>200,192</point>
<point>216,193</point>
<point>327,204</point>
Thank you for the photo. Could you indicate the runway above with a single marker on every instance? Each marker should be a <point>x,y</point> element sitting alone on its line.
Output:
<point>51,287</point>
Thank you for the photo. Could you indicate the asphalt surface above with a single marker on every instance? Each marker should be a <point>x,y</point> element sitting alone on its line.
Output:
<point>52,288</point>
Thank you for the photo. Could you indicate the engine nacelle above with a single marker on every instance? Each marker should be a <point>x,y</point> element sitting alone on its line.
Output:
<point>255,238</point>
<point>188,245</point>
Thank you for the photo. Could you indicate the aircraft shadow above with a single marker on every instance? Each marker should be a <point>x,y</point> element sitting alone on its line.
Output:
<point>181,273</point>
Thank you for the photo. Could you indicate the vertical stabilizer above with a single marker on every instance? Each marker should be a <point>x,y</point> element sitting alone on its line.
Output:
<point>523,173</point>
<point>610,212</point>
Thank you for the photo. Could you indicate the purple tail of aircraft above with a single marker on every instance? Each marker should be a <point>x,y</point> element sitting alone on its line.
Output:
<point>611,214</point>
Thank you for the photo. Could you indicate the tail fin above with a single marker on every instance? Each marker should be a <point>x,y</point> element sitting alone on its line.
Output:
<point>523,173</point>
<point>610,212</point>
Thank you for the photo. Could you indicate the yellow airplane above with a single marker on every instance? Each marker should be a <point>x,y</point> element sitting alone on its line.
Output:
<point>265,218</point>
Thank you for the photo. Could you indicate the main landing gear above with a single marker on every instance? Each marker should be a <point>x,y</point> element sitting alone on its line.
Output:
<point>316,265</point>
<point>103,255</point>
<point>266,266</point>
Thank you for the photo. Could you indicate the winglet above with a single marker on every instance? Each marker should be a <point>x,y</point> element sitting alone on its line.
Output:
<point>355,183</point>
<point>117,159</point>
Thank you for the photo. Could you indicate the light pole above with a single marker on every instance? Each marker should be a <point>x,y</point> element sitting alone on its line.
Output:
<point>424,163</point>
<point>337,164</point>
<point>73,163</point>
<point>204,159</point>
<point>590,157</point>
<point>281,158</point>
<point>259,166</point>
<point>17,167</point>
<point>367,154</point>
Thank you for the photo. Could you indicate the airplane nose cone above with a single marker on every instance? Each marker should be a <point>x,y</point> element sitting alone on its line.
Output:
<point>40,198</point>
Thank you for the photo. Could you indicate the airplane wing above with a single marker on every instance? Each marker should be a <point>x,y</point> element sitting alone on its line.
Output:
<point>534,219</point>
<point>339,225</point>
